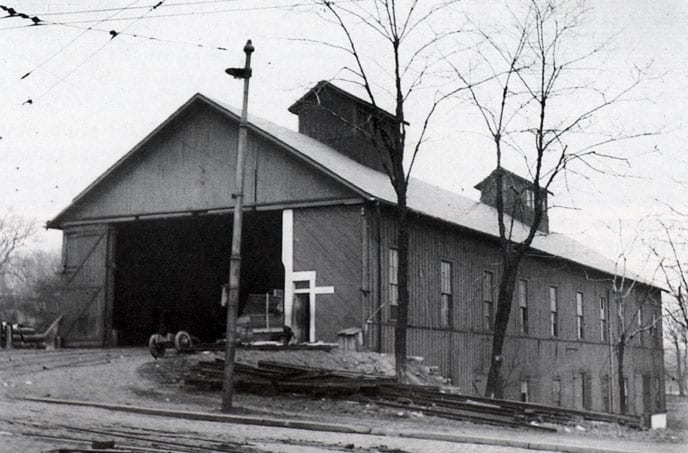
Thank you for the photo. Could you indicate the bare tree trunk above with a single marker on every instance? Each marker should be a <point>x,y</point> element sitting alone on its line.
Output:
<point>495,381</point>
<point>403,302</point>
<point>621,346</point>
<point>679,369</point>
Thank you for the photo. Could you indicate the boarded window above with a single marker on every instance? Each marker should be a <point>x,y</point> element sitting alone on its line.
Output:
<point>393,283</point>
<point>579,316</point>
<point>446,302</point>
<point>556,392</point>
<point>605,393</point>
<point>553,311</point>
<point>523,305</point>
<point>488,300</point>
<point>603,319</point>
<point>586,391</point>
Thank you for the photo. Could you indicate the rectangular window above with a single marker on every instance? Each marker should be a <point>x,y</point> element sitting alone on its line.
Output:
<point>488,300</point>
<point>654,329</point>
<point>530,198</point>
<point>556,392</point>
<point>626,397</point>
<point>603,319</point>
<point>605,393</point>
<point>446,307</point>
<point>393,283</point>
<point>586,391</point>
<point>525,397</point>
<point>658,396</point>
<point>523,305</point>
<point>553,314</point>
<point>579,315</point>
<point>641,336</point>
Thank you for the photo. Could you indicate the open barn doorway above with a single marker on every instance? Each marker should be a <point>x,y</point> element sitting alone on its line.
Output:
<point>169,273</point>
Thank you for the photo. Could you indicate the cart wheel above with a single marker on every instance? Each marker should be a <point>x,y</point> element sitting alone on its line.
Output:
<point>156,345</point>
<point>182,341</point>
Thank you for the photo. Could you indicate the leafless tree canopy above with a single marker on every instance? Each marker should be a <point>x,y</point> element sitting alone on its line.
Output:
<point>395,50</point>
<point>539,103</point>
<point>15,231</point>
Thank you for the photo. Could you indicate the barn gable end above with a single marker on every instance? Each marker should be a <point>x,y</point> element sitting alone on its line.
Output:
<point>188,165</point>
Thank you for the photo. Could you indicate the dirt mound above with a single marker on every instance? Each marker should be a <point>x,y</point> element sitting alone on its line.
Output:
<point>372,363</point>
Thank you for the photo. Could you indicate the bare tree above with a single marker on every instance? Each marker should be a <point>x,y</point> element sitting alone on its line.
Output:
<point>631,300</point>
<point>410,35</point>
<point>676,369</point>
<point>34,273</point>
<point>536,108</point>
<point>671,252</point>
<point>15,231</point>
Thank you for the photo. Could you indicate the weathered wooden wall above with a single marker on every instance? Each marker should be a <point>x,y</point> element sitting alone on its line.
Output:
<point>190,165</point>
<point>87,293</point>
<point>327,240</point>
<point>462,350</point>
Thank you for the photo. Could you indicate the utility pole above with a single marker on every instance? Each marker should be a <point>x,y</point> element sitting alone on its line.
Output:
<point>235,258</point>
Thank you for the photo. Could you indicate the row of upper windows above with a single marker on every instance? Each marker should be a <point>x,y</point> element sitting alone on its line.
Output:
<point>489,303</point>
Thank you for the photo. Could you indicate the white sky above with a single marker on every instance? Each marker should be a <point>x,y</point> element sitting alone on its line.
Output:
<point>97,98</point>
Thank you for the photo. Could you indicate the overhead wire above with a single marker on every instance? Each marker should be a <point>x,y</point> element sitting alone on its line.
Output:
<point>131,8</point>
<point>72,41</point>
<point>40,22</point>
<point>97,51</point>
<point>216,11</point>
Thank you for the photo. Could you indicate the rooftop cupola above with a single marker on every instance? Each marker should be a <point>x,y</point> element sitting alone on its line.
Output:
<point>519,197</point>
<point>345,122</point>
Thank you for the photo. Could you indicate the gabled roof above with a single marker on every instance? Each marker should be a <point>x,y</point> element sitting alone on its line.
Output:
<point>326,85</point>
<point>510,174</point>
<point>423,198</point>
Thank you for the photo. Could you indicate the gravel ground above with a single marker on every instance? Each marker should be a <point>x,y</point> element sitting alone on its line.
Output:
<point>131,377</point>
<point>113,377</point>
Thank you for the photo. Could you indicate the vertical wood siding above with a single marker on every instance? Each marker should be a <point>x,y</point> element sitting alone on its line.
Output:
<point>327,240</point>
<point>462,351</point>
<point>86,291</point>
<point>190,165</point>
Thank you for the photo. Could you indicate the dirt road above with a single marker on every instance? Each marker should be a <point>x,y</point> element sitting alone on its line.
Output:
<point>110,376</point>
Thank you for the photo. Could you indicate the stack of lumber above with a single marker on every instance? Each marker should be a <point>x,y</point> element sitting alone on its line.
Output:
<point>276,377</point>
<point>433,401</point>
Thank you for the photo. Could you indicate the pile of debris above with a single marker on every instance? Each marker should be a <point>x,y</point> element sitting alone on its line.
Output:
<point>276,377</point>
<point>271,377</point>
<point>26,336</point>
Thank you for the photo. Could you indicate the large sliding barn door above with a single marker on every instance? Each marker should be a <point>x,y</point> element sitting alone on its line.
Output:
<point>86,294</point>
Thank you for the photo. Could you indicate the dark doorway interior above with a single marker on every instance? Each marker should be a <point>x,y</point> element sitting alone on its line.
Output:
<point>169,273</point>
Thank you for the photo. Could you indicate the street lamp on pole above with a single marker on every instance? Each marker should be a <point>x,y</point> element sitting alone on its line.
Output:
<point>235,258</point>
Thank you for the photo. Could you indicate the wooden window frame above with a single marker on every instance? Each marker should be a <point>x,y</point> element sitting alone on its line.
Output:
<point>580,315</point>
<point>604,329</point>
<point>446,308</point>
<point>554,311</point>
<point>524,391</point>
<point>523,306</point>
<point>393,283</point>
<point>641,336</point>
<point>556,391</point>
<point>488,304</point>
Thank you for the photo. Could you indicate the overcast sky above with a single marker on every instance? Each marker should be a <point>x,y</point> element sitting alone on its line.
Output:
<point>93,98</point>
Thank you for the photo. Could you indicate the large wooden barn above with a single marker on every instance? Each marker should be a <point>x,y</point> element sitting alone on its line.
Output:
<point>148,243</point>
